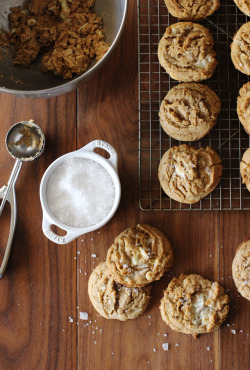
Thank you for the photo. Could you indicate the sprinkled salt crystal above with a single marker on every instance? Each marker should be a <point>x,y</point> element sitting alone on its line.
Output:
<point>70,319</point>
<point>233,331</point>
<point>165,334</point>
<point>228,325</point>
<point>125,266</point>
<point>149,323</point>
<point>241,330</point>
<point>210,255</point>
<point>78,252</point>
<point>154,349</point>
<point>80,192</point>
<point>222,246</point>
<point>149,316</point>
<point>84,315</point>
<point>165,346</point>
<point>177,344</point>
<point>95,342</point>
<point>93,255</point>
<point>208,348</point>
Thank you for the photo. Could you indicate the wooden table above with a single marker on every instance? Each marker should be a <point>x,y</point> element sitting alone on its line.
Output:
<point>45,286</point>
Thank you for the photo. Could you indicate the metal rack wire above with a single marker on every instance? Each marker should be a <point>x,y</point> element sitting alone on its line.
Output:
<point>228,137</point>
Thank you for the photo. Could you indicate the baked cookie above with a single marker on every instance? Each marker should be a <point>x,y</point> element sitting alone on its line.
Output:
<point>186,52</point>
<point>240,49</point>
<point>241,269</point>
<point>244,6</point>
<point>194,305</point>
<point>115,301</point>
<point>245,168</point>
<point>243,107</point>
<point>187,174</point>
<point>139,255</point>
<point>189,111</point>
<point>191,10</point>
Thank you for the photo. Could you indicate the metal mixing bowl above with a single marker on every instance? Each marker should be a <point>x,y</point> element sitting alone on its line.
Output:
<point>33,83</point>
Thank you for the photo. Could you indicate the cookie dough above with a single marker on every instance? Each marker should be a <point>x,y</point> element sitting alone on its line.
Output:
<point>186,52</point>
<point>243,107</point>
<point>139,256</point>
<point>244,6</point>
<point>192,10</point>
<point>241,269</point>
<point>194,305</point>
<point>68,32</point>
<point>187,174</point>
<point>240,49</point>
<point>245,168</point>
<point>189,111</point>
<point>115,301</point>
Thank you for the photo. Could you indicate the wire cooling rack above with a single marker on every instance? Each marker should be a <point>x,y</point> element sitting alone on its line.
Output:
<point>228,137</point>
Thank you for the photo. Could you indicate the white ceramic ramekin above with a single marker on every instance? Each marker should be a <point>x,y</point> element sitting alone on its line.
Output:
<point>87,152</point>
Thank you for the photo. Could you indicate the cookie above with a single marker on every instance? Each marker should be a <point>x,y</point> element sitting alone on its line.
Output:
<point>245,168</point>
<point>139,255</point>
<point>115,301</point>
<point>187,174</point>
<point>190,10</point>
<point>241,269</point>
<point>189,111</point>
<point>244,6</point>
<point>186,52</point>
<point>194,305</point>
<point>243,107</point>
<point>240,49</point>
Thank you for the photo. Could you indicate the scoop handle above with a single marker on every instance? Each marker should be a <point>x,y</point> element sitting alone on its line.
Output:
<point>113,159</point>
<point>11,183</point>
<point>11,198</point>
<point>46,227</point>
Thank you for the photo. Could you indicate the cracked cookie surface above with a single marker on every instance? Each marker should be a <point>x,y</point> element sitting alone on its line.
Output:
<point>241,269</point>
<point>194,305</point>
<point>187,174</point>
<point>240,49</point>
<point>186,52</point>
<point>243,107</point>
<point>192,10</point>
<point>139,256</point>
<point>189,111</point>
<point>244,6</point>
<point>115,301</point>
<point>245,168</point>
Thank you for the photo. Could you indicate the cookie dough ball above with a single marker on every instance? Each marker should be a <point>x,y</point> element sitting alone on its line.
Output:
<point>139,256</point>
<point>243,107</point>
<point>186,52</point>
<point>241,269</point>
<point>245,168</point>
<point>189,111</point>
<point>244,6</point>
<point>194,305</point>
<point>187,174</point>
<point>115,301</point>
<point>191,10</point>
<point>240,49</point>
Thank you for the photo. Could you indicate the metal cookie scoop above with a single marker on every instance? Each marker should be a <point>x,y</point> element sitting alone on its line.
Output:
<point>25,141</point>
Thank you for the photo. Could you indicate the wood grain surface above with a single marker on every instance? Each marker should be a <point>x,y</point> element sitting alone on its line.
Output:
<point>46,285</point>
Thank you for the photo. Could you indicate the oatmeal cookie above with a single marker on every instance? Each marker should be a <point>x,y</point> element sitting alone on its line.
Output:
<point>187,174</point>
<point>240,49</point>
<point>245,168</point>
<point>194,305</point>
<point>241,269</point>
<point>115,301</point>
<point>244,6</point>
<point>139,255</point>
<point>192,10</point>
<point>243,107</point>
<point>189,111</point>
<point>186,52</point>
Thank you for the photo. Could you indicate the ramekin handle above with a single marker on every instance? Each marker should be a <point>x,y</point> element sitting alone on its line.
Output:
<point>46,227</point>
<point>113,159</point>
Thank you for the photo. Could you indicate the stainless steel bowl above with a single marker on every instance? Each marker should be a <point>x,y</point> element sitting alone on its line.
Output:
<point>30,82</point>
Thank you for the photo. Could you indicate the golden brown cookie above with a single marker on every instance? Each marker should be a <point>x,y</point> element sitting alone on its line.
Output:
<point>189,111</point>
<point>191,10</point>
<point>186,52</point>
<point>194,305</point>
<point>187,174</point>
<point>241,269</point>
<point>115,301</point>
<point>139,255</point>
<point>243,107</point>
<point>240,49</point>
<point>245,168</point>
<point>244,6</point>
